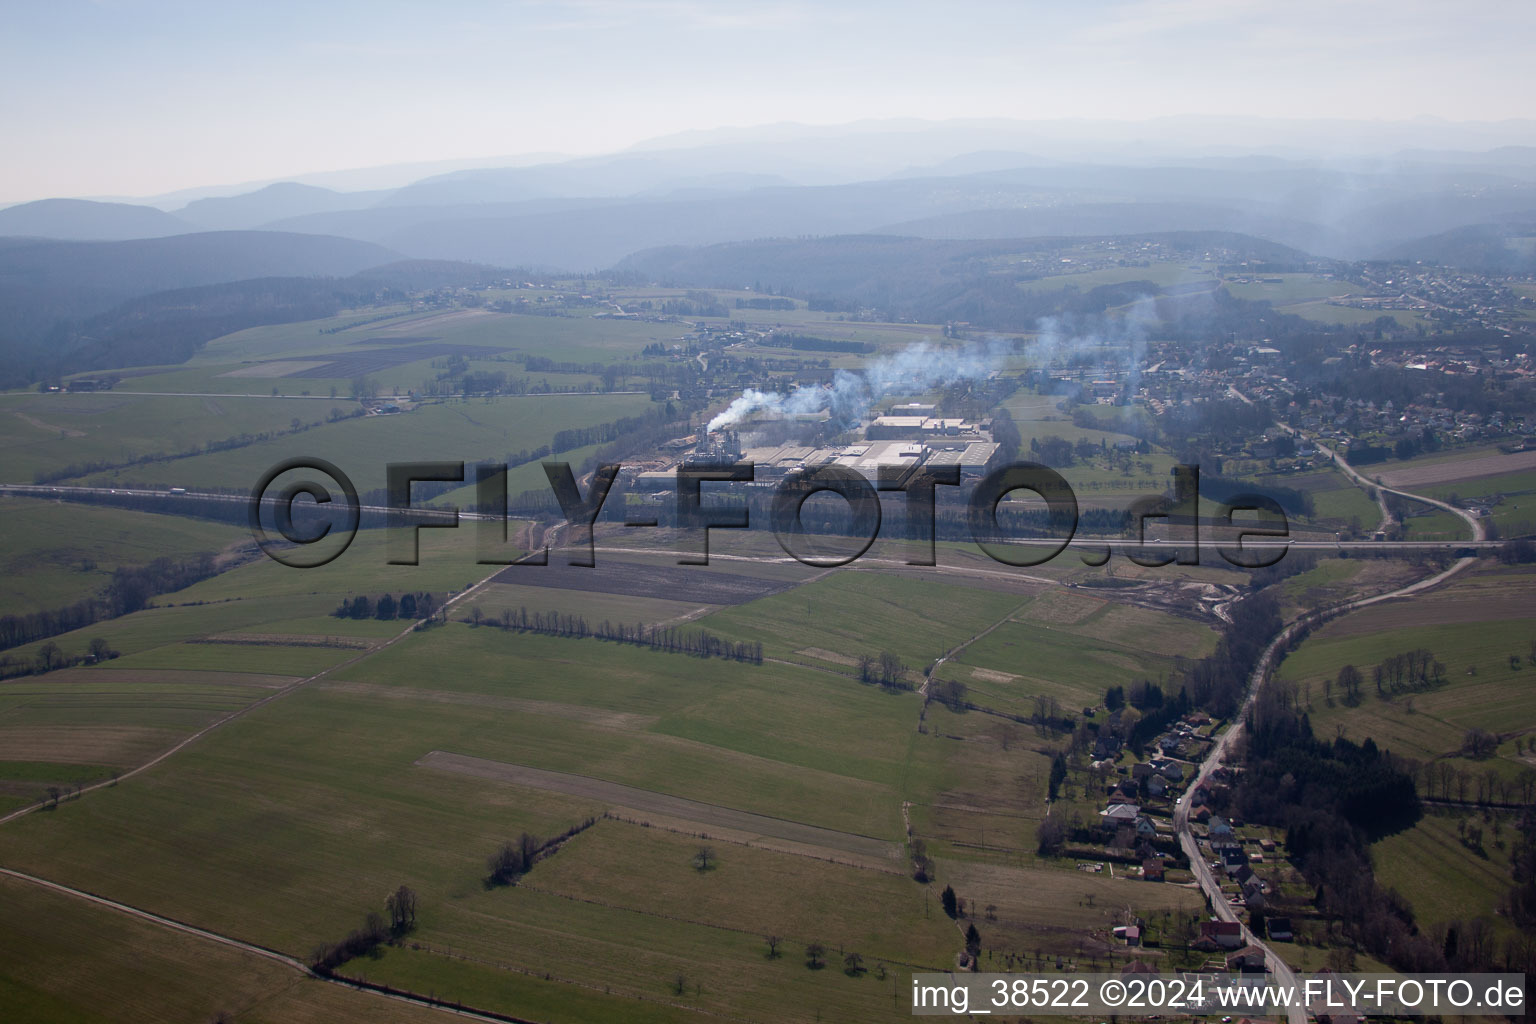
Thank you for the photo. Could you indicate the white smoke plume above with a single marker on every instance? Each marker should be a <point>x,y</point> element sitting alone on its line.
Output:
<point>914,370</point>
<point>1111,340</point>
<point>922,367</point>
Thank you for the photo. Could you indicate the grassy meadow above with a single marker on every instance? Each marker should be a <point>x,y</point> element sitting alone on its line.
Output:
<point>1474,627</point>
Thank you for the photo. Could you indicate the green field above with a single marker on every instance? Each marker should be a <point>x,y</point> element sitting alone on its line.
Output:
<point>1289,289</point>
<point>308,806</point>
<point>1509,490</point>
<point>447,431</point>
<point>266,598</point>
<point>285,825</point>
<point>46,433</point>
<point>1073,646</point>
<point>1472,628</point>
<point>1444,879</point>
<point>1161,274</point>
<point>144,972</point>
<point>1328,313</point>
<point>1435,524</point>
<point>578,337</point>
<point>1338,503</point>
<point>58,552</point>
<point>1335,580</point>
<point>76,726</point>
<point>865,612</point>
<point>1041,416</point>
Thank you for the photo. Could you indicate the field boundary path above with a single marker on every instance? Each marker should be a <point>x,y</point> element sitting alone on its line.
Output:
<point>649,801</point>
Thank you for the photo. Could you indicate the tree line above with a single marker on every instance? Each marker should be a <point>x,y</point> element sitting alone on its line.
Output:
<point>671,639</point>
<point>386,607</point>
<point>515,858</point>
<point>51,656</point>
<point>129,590</point>
<point>773,303</point>
<point>808,343</point>
<point>400,906</point>
<point>884,669</point>
<point>1219,681</point>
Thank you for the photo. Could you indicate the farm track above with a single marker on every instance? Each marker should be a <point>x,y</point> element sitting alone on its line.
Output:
<point>651,802</point>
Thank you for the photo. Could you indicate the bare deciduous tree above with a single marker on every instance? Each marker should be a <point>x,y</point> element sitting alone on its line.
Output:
<point>401,907</point>
<point>815,956</point>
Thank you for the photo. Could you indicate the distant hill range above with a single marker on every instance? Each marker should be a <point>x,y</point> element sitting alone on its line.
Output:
<point>47,288</point>
<point>51,279</point>
<point>902,216</point>
<point>1508,247</point>
<point>83,219</point>
<point>273,203</point>
<point>959,179</point>
<point>930,280</point>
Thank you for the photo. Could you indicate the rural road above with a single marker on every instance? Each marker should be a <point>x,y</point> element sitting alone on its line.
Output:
<point>1478,531</point>
<point>1204,874</point>
<point>1477,525</point>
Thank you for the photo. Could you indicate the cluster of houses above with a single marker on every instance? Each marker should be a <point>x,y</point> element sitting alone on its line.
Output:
<point>1128,832</point>
<point>1226,938</point>
<point>1231,853</point>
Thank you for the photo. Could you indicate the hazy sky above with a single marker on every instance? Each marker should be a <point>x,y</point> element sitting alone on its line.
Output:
<point>126,98</point>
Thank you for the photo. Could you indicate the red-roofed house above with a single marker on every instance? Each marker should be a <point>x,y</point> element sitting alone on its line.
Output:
<point>1226,934</point>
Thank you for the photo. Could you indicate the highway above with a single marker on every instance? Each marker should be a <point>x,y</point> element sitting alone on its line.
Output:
<point>170,499</point>
<point>1118,545</point>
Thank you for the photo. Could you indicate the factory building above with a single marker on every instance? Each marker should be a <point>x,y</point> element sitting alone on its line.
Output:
<point>918,428</point>
<point>974,459</point>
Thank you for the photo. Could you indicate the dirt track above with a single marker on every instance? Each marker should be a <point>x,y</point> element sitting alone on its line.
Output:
<point>648,802</point>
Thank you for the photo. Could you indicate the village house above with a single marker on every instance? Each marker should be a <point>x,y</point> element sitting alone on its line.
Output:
<point>1248,960</point>
<point>1118,814</point>
<point>1223,934</point>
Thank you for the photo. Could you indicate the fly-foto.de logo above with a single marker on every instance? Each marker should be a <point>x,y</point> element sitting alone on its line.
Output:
<point>285,513</point>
